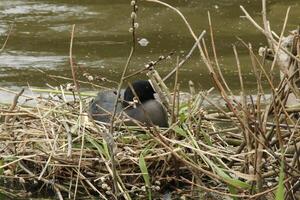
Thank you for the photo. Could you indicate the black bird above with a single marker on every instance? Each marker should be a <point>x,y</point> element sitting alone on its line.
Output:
<point>149,111</point>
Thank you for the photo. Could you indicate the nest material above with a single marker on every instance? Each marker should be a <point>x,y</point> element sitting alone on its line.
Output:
<point>53,147</point>
<point>54,144</point>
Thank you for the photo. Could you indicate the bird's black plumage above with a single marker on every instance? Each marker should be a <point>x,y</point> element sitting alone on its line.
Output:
<point>148,111</point>
<point>143,89</point>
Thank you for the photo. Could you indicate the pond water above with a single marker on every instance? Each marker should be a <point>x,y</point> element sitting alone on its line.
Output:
<point>40,38</point>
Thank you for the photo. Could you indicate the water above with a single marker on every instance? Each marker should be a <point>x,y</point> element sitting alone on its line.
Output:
<point>41,36</point>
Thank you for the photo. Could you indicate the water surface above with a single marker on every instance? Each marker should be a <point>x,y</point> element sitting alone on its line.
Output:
<point>41,36</point>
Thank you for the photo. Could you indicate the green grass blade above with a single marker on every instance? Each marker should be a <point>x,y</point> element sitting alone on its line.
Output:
<point>232,181</point>
<point>1,169</point>
<point>280,189</point>
<point>102,149</point>
<point>179,131</point>
<point>144,170</point>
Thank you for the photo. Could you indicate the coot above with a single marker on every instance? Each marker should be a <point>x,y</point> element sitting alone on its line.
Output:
<point>149,111</point>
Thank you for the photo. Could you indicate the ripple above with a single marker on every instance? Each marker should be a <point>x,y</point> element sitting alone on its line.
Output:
<point>22,60</point>
<point>3,29</point>
<point>42,9</point>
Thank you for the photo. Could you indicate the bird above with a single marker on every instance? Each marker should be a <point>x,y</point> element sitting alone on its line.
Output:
<point>148,111</point>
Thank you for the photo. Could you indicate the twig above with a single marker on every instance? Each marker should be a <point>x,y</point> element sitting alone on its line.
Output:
<point>280,39</point>
<point>181,63</point>
<point>13,105</point>
<point>149,66</point>
<point>7,37</point>
<point>215,53</point>
<point>263,31</point>
<point>80,160</point>
<point>267,24</point>
<point>110,140</point>
<point>173,116</point>
<point>71,58</point>
<point>61,187</point>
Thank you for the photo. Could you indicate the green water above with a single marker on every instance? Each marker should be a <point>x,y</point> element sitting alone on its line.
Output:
<point>41,36</point>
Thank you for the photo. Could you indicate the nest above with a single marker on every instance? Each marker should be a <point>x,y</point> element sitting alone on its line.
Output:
<point>56,148</point>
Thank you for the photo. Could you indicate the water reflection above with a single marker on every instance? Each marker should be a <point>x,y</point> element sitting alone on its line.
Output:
<point>15,59</point>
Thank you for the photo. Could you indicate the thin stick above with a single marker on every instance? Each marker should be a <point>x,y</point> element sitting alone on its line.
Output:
<point>186,57</point>
<point>7,37</point>
<point>110,140</point>
<point>190,30</point>
<point>215,53</point>
<point>61,187</point>
<point>263,31</point>
<point>174,93</point>
<point>149,66</point>
<point>13,105</point>
<point>79,95</point>
<point>280,39</point>
<point>71,58</point>
<point>79,162</point>
<point>266,24</point>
